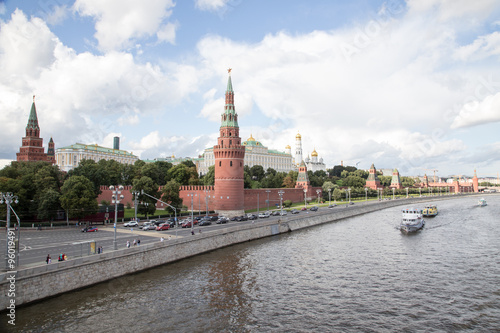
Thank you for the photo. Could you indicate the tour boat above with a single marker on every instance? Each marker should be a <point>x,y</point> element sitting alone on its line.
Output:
<point>430,210</point>
<point>412,220</point>
<point>481,202</point>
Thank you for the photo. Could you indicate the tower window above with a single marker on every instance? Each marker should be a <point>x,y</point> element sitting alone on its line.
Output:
<point>220,163</point>
<point>231,163</point>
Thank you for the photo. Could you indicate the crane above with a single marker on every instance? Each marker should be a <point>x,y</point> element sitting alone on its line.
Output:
<point>434,170</point>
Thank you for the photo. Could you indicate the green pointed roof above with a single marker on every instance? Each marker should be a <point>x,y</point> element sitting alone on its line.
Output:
<point>229,117</point>
<point>373,175</point>
<point>33,119</point>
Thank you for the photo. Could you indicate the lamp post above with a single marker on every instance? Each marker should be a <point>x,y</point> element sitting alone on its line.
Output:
<point>329,196</point>
<point>366,193</point>
<point>317,194</point>
<point>305,198</point>
<point>268,191</point>
<point>280,193</point>
<point>192,219</point>
<point>420,191</point>
<point>407,193</point>
<point>136,202</point>
<point>175,210</point>
<point>8,198</point>
<point>207,195</point>
<point>117,196</point>
<point>349,190</point>
<point>393,192</point>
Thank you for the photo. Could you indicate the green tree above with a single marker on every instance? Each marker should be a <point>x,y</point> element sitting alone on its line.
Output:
<point>257,172</point>
<point>49,204</point>
<point>209,178</point>
<point>78,197</point>
<point>337,194</point>
<point>147,205</point>
<point>170,194</point>
<point>93,172</point>
<point>326,186</point>
<point>354,181</point>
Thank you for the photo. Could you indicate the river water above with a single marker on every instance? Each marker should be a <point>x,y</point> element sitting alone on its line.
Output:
<point>356,275</point>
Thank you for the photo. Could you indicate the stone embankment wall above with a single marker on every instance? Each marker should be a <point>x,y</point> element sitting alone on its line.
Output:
<point>32,284</point>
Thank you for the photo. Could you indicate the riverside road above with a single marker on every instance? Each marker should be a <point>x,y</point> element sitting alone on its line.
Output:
<point>35,245</point>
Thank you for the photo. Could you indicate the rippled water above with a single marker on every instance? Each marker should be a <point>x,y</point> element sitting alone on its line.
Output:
<point>359,274</point>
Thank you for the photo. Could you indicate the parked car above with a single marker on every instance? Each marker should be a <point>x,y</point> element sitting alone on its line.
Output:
<point>252,216</point>
<point>214,218</point>
<point>314,208</point>
<point>283,213</point>
<point>241,218</point>
<point>263,215</point>
<point>164,226</point>
<point>234,218</point>
<point>149,227</point>
<point>304,208</point>
<point>222,220</point>
<point>130,224</point>
<point>295,211</point>
<point>205,222</point>
<point>186,224</point>
<point>155,222</point>
<point>89,229</point>
<point>332,206</point>
<point>144,224</point>
<point>275,213</point>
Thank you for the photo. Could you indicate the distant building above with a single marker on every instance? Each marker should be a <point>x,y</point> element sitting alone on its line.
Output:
<point>372,181</point>
<point>70,157</point>
<point>32,144</point>
<point>396,180</point>
<point>255,154</point>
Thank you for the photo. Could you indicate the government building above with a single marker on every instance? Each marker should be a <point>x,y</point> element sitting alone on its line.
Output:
<point>69,157</point>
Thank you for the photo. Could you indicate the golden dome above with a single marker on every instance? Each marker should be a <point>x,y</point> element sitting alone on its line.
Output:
<point>288,147</point>
<point>251,138</point>
<point>314,153</point>
<point>173,156</point>
<point>298,136</point>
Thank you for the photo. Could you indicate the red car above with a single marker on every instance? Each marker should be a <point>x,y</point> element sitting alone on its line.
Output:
<point>164,226</point>
<point>304,208</point>
<point>89,229</point>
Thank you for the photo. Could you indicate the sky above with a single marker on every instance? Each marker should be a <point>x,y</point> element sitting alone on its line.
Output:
<point>412,85</point>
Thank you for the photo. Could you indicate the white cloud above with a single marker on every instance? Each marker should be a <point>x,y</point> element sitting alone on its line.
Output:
<point>482,47</point>
<point>479,112</point>
<point>57,15</point>
<point>2,8</point>
<point>120,22</point>
<point>453,9</point>
<point>211,5</point>
<point>166,33</point>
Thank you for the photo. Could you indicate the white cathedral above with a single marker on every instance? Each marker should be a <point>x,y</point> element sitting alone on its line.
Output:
<point>257,154</point>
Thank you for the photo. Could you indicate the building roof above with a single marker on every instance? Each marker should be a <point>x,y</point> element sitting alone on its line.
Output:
<point>96,148</point>
<point>33,119</point>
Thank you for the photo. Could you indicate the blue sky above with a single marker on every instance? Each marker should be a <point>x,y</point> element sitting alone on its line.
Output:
<point>410,84</point>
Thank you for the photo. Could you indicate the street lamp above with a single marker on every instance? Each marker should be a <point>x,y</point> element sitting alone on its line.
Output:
<point>366,193</point>
<point>280,193</point>
<point>318,192</point>
<point>420,191</point>
<point>393,192</point>
<point>8,198</point>
<point>349,190</point>
<point>330,196</point>
<point>192,219</point>
<point>305,198</point>
<point>268,191</point>
<point>407,193</point>
<point>207,195</point>
<point>117,196</point>
<point>136,202</point>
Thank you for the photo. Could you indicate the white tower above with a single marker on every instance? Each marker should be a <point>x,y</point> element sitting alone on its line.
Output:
<point>298,149</point>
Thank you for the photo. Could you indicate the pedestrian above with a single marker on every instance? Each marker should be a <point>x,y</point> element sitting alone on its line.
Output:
<point>138,242</point>
<point>162,239</point>
<point>135,242</point>
<point>128,244</point>
<point>102,250</point>
<point>192,232</point>
<point>48,259</point>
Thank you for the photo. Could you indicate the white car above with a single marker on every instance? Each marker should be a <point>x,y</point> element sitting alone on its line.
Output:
<point>263,215</point>
<point>149,227</point>
<point>130,224</point>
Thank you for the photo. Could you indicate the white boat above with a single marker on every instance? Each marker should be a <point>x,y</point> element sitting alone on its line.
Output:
<point>412,220</point>
<point>430,210</point>
<point>481,202</point>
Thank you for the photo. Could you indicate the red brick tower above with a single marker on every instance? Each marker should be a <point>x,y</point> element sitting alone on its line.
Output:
<point>475,182</point>
<point>32,148</point>
<point>229,155</point>
<point>373,182</point>
<point>396,181</point>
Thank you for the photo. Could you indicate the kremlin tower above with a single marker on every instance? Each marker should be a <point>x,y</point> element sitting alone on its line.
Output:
<point>229,155</point>
<point>32,145</point>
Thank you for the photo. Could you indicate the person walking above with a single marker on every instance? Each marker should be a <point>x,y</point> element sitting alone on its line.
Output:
<point>138,242</point>
<point>135,242</point>
<point>48,260</point>
<point>128,244</point>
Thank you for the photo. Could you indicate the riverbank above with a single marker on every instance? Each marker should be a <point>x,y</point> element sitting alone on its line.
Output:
<point>36,283</point>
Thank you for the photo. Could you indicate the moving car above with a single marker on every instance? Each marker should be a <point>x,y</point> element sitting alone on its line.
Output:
<point>164,226</point>
<point>332,206</point>
<point>222,220</point>
<point>89,229</point>
<point>314,208</point>
<point>241,218</point>
<point>131,224</point>
<point>205,222</point>
<point>295,211</point>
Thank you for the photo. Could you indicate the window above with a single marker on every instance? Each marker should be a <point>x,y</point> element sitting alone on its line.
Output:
<point>231,163</point>
<point>220,163</point>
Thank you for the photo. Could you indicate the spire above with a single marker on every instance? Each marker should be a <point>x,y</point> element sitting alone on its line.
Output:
<point>229,118</point>
<point>32,128</point>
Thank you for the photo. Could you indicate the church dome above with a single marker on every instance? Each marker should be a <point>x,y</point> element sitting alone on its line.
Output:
<point>288,147</point>
<point>298,136</point>
<point>251,138</point>
<point>314,153</point>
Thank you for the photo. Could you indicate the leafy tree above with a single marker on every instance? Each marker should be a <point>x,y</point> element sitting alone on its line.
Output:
<point>148,204</point>
<point>93,172</point>
<point>189,163</point>
<point>49,204</point>
<point>344,174</point>
<point>152,171</point>
<point>257,172</point>
<point>385,180</point>
<point>337,194</point>
<point>288,182</point>
<point>209,178</point>
<point>78,197</point>
<point>328,185</point>
<point>407,181</point>
<point>183,174</point>
<point>287,203</point>
<point>354,181</point>
<point>247,178</point>
<point>170,194</point>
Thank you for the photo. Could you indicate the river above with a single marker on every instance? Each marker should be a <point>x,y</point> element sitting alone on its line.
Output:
<point>360,274</point>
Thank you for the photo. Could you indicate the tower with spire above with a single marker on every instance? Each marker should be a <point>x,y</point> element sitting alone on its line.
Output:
<point>229,161</point>
<point>298,149</point>
<point>32,144</point>
<point>372,181</point>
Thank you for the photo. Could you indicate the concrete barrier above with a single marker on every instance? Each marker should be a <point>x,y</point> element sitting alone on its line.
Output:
<point>35,283</point>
